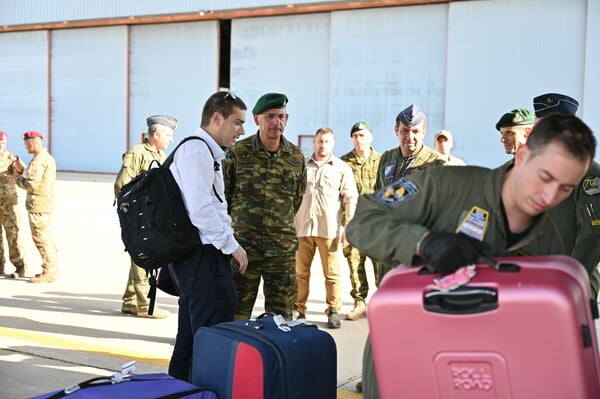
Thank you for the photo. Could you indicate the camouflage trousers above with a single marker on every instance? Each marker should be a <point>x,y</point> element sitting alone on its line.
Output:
<point>136,291</point>
<point>328,251</point>
<point>39,223</point>
<point>9,222</point>
<point>279,285</point>
<point>358,273</point>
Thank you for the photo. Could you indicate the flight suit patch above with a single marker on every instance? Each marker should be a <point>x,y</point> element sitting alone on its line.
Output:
<point>388,172</point>
<point>475,223</point>
<point>591,185</point>
<point>397,192</point>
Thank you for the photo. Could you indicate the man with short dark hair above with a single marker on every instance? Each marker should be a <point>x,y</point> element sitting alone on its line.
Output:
<point>204,277</point>
<point>578,217</point>
<point>446,217</point>
<point>136,160</point>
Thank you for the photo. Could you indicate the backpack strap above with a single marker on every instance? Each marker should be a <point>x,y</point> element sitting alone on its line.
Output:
<point>216,164</point>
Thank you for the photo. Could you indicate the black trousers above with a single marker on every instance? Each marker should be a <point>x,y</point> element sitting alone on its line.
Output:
<point>206,297</point>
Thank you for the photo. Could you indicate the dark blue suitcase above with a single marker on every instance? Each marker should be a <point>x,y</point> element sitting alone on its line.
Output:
<point>259,359</point>
<point>142,386</point>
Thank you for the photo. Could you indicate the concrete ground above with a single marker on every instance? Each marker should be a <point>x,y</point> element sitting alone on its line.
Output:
<point>55,335</point>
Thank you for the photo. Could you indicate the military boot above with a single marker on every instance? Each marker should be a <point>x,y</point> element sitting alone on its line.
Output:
<point>44,277</point>
<point>359,311</point>
<point>19,272</point>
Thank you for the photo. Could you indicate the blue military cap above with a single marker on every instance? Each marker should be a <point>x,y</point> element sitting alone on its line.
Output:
<point>410,116</point>
<point>268,101</point>
<point>553,102</point>
<point>165,120</point>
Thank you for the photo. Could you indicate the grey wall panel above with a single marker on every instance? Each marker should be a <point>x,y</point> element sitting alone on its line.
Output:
<point>383,60</point>
<point>89,98</point>
<point>501,54</point>
<point>173,70</point>
<point>288,55</point>
<point>23,86</point>
<point>591,95</point>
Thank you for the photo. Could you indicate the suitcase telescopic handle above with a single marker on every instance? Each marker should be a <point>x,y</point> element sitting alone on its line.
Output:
<point>463,300</point>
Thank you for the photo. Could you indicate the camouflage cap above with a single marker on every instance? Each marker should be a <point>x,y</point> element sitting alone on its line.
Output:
<point>3,135</point>
<point>32,134</point>
<point>410,116</point>
<point>516,117</point>
<point>553,102</point>
<point>360,126</point>
<point>165,120</point>
<point>268,101</point>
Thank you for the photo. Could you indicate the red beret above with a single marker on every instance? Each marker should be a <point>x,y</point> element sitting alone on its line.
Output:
<point>31,134</point>
<point>3,135</point>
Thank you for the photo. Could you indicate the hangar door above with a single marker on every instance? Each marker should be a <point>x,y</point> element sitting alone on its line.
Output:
<point>89,97</point>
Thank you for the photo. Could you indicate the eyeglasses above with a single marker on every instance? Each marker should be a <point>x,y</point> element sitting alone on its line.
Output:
<point>230,94</point>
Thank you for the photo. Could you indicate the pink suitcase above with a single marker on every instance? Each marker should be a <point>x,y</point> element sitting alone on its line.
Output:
<point>523,331</point>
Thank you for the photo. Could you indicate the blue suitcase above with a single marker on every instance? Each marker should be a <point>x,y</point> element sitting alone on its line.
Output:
<point>122,385</point>
<point>263,359</point>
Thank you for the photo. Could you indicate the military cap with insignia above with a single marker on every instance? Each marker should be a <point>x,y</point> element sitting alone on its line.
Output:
<point>165,120</point>
<point>32,134</point>
<point>516,117</point>
<point>553,102</point>
<point>360,126</point>
<point>3,135</point>
<point>410,116</point>
<point>268,101</point>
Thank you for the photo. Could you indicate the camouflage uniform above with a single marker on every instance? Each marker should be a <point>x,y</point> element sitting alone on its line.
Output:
<point>393,166</point>
<point>9,214</point>
<point>264,191</point>
<point>365,175</point>
<point>39,184</point>
<point>136,161</point>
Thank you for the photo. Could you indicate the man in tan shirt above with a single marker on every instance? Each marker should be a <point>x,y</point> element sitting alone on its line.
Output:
<point>330,190</point>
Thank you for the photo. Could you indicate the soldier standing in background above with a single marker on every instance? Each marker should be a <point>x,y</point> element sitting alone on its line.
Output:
<point>363,160</point>
<point>39,184</point>
<point>10,165</point>
<point>265,179</point>
<point>136,161</point>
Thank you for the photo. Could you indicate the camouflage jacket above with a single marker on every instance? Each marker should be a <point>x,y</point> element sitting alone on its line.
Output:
<point>264,191</point>
<point>8,189</point>
<point>365,170</point>
<point>39,183</point>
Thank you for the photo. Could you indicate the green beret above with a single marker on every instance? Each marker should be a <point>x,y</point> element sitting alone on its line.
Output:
<point>360,126</point>
<point>268,101</point>
<point>516,117</point>
<point>165,120</point>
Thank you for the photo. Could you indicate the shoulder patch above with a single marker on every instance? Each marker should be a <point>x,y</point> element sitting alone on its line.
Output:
<point>591,185</point>
<point>397,192</point>
<point>294,161</point>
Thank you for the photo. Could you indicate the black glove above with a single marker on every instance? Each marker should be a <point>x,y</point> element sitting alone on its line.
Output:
<point>446,252</point>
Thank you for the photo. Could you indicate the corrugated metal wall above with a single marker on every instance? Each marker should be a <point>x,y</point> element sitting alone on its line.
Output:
<point>23,85</point>
<point>464,63</point>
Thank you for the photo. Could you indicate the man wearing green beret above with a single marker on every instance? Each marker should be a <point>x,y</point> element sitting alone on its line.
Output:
<point>265,179</point>
<point>514,127</point>
<point>364,161</point>
<point>136,161</point>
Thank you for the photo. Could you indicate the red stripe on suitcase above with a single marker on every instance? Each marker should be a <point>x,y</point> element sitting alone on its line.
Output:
<point>248,373</point>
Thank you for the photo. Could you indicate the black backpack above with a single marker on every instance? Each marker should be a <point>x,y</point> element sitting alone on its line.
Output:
<point>155,226</point>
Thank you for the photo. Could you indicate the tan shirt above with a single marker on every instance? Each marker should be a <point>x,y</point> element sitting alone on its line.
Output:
<point>330,189</point>
<point>39,183</point>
